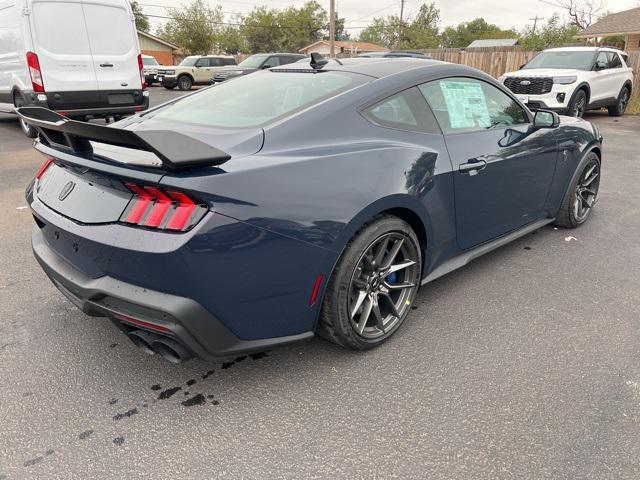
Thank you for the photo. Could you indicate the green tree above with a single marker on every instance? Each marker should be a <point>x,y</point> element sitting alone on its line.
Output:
<point>142,21</point>
<point>554,33</point>
<point>261,30</point>
<point>302,26</point>
<point>419,32</point>
<point>478,29</point>
<point>195,27</point>
<point>269,30</point>
<point>230,39</point>
<point>422,31</point>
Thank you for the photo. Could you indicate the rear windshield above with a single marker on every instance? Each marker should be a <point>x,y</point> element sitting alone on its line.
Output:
<point>573,60</point>
<point>259,98</point>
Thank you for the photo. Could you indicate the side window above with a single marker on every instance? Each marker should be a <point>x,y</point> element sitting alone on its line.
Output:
<point>286,60</point>
<point>271,62</point>
<point>229,61</point>
<point>602,61</point>
<point>215,62</point>
<point>614,60</point>
<point>467,104</point>
<point>625,57</point>
<point>406,110</point>
<point>202,62</point>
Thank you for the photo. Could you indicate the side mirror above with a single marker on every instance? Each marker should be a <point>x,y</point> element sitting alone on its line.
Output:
<point>545,119</point>
<point>599,66</point>
<point>264,66</point>
<point>522,66</point>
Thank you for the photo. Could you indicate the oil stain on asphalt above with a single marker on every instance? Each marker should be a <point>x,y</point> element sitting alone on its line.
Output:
<point>198,399</point>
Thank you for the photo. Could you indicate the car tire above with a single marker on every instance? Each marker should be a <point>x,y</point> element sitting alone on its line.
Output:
<point>578,104</point>
<point>29,130</point>
<point>367,281</point>
<point>582,194</point>
<point>618,109</point>
<point>185,82</point>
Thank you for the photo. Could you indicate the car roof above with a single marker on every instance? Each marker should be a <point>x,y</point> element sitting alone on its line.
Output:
<point>372,67</point>
<point>583,49</point>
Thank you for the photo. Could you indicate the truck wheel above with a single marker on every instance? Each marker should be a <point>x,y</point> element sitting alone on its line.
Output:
<point>185,82</point>
<point>618,109</point>
<point>169,87</point>
<point>29,130</point>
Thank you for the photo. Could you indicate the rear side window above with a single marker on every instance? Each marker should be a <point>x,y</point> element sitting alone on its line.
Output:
<point>228,61</point>
<point>67,34</point>
<point>614,60</point>
<point>467,104</point>
<point>110,29</point>
<point>257,99</point>
<point>406,110</point>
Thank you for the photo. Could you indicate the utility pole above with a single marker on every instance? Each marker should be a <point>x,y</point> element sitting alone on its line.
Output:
<point>535,22</point>
<point>332,28</point>
<point>401,22</point>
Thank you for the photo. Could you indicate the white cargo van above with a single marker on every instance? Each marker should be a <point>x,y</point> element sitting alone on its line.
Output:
<point>80,58</point>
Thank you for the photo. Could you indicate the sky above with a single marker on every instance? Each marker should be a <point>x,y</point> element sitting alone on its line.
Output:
<point>358,13</point>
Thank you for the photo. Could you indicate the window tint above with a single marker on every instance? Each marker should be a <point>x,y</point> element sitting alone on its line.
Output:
<point>215,62</point>
<point>257,99</point>
<point>406,110</point>
<point>228,61</point>
<point>271,62</point>
<point>614,60</point>
<point>287,60</point>
<point>602,61</point>
<point>465,104</point>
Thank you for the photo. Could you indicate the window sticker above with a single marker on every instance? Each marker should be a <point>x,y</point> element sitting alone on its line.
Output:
<point>466,103</point>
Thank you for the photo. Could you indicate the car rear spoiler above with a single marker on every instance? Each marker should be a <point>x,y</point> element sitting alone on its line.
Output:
<point>175,150</point>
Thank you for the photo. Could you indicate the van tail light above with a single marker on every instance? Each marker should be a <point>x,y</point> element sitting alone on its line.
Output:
<point>35,72</point>
<point>153,207</point>
<point>140,67</point>
<point>47,163</point>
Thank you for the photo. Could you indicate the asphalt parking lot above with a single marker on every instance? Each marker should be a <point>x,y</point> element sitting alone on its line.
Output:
<point>524,364</point>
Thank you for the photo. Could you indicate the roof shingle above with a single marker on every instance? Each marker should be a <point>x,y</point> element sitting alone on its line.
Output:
<point>627,21</point>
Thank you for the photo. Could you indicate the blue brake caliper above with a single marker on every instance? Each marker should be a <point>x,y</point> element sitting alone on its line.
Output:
<point>392,277</point>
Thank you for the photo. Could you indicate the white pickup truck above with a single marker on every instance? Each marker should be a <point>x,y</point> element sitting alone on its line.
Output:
<point>572,80</point>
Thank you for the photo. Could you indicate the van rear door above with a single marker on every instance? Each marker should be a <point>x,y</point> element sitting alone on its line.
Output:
<point>61,42</point>
<point>114,45</point>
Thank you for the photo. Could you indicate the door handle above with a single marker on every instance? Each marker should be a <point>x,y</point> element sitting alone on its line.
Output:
<point>472,167</point>
<point>106,65</point>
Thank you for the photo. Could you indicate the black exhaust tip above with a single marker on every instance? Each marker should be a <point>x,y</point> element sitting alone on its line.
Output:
<point>171,350</point>
<point>143,340</point>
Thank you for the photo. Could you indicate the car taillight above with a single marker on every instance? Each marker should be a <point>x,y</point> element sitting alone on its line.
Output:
<point>140,67</point>
<point>153,207</point>
<point>34,71</point>
<point>47,163</point>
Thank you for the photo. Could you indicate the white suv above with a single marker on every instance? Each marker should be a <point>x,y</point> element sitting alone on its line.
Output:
<point>572,80</point>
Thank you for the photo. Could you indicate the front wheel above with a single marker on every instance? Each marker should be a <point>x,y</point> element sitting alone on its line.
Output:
<point>582,194</point>
<point>373,286</point>
<point>185,83</point>
<point>578,104</point>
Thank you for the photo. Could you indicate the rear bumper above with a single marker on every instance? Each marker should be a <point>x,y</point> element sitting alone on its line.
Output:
<point>190,323</point>
<point>90,104</point>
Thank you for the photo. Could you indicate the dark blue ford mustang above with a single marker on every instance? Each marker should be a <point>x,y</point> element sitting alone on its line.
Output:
<point>309,199</point>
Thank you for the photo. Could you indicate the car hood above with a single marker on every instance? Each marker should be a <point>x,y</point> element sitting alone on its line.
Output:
<point>543,72</point>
